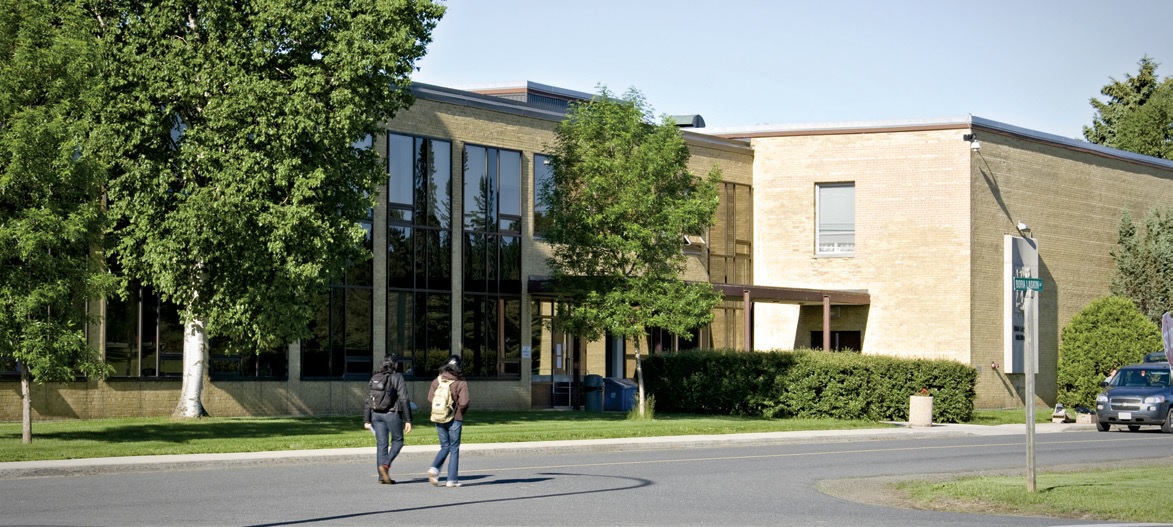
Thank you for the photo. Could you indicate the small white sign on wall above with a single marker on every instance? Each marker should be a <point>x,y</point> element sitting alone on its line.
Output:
<point>526,351</point>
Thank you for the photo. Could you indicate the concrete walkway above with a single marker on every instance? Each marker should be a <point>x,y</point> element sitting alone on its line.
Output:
<point>23,469</point>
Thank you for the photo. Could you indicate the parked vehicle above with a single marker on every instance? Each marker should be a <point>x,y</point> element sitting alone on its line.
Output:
<point>1138,395</point>
<point>1156,356</point>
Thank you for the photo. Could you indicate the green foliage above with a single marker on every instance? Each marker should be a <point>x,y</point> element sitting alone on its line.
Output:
<point>233,130</point>
<point>1138,116</point>
<point>1144,263</point>
<point>1108,333</point>
<point>620,201</point>
<point>808,384</point>
<point>50,214</point>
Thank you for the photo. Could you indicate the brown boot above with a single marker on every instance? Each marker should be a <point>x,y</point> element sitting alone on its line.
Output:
<point>385,475</point>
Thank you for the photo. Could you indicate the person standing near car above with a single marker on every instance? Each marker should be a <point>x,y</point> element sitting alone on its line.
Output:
<point>394,421</point>
<point>449,399</point>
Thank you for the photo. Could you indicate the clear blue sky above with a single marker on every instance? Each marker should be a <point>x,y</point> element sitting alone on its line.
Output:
<point>1032,64</point>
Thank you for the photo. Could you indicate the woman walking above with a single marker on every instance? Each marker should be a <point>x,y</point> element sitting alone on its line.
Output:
<point>387,412</point>
<point>449,398</point>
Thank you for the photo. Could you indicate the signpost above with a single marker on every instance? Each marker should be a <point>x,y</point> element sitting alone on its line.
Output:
<point>1029,286</point>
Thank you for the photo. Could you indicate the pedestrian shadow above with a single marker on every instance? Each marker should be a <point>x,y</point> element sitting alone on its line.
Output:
<point>473,481</point>
<point>632,483</point>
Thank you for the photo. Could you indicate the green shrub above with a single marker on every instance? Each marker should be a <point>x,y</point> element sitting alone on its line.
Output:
<point>1108,333</point>
<point>807,383</point>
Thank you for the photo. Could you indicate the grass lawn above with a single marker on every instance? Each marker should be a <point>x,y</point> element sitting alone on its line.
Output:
<point>1135,494</point>
<point>73,439</point>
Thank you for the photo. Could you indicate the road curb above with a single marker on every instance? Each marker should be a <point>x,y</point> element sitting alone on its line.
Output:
<point>97,466</point>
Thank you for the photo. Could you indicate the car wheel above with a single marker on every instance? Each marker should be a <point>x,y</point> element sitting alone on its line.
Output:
<point>1103,427</point>
<point>1167,426</point>
<point>1133,428</point>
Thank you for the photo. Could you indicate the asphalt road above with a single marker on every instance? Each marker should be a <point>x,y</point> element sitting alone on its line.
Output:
<point>762,479</point>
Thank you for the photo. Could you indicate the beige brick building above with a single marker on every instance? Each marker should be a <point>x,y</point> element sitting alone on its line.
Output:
<point>890,238</point>
<point>931,218</point>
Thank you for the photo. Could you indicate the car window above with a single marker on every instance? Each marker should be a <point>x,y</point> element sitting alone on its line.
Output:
<point>1158,378</point>
<point>1134,378</point>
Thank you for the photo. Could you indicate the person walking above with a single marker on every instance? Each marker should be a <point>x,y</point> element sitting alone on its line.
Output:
<point>449,398</point>
<point>387,387</point>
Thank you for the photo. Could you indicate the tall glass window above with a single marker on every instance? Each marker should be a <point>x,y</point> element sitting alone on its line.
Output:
<point>342,330</point>
<point>419,252</point>
<point>492,262</point>
<point>543,178</point>
<point>835,205</point>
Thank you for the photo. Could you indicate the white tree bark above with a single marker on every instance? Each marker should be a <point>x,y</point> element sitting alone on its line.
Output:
<point>26,403</point>
<point>195,362</point>
<point>639,376</point>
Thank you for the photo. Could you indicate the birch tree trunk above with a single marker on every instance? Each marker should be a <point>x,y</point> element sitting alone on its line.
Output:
<point>195,361</point>
<point>26,403</point>
<point>639,376</point>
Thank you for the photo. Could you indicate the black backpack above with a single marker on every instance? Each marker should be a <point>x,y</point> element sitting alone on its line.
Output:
<point>382,396</point>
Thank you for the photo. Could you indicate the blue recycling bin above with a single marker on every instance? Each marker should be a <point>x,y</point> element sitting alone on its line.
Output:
<point>619,394</point>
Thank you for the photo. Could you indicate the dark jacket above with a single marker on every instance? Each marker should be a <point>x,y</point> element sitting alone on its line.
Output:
<point>459,393</point>
<point>402,404</point>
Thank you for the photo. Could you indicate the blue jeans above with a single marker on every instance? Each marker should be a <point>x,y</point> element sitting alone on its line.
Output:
<point>387,424</point>
<point>449,434</point>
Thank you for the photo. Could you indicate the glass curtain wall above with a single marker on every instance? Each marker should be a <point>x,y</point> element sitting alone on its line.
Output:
<point>419,252</point>
<point>144,338</point>
<point>491,318</point>
<point>339,346</point>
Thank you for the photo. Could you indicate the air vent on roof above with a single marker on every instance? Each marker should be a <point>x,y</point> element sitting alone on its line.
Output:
<point>689,121</point>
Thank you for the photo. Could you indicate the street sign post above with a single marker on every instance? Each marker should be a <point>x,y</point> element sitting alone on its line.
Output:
<point>1029,286</point>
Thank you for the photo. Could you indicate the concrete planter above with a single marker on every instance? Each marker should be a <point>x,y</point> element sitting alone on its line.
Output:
<point>920,410</point>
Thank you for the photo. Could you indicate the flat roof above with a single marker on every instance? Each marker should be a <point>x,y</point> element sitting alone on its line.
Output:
<point>491,102</point>
<point>939,123</point>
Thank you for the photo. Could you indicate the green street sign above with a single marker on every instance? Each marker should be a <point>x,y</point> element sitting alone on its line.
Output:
<point>1023,284</point>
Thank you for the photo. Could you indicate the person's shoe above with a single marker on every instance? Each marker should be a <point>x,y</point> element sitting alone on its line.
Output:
<point>434,477</point>
<point>452,484</point>
<point>384,475</point>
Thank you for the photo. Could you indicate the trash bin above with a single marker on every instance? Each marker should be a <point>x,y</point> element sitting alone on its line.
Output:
<point>592,390</point>
<point>619,394</point>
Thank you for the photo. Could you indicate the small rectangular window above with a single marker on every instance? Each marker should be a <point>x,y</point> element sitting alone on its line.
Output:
<point>835,233</point>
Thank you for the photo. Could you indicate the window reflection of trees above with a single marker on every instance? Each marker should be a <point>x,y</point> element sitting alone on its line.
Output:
<point>491,325</point>
<point>419,252</point>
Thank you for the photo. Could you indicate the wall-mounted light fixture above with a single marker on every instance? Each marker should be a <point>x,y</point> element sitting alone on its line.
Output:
<point>974,144</point>
<point>1023,228</point>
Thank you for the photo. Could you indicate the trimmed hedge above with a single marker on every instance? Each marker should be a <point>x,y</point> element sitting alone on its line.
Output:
<point>807,384</point>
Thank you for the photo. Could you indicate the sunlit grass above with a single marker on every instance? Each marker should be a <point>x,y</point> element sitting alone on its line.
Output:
<point>1136,494</point>
<point>72,439</point>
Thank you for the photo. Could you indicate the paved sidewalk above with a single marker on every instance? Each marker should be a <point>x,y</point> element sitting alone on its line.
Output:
<point>23,469</point>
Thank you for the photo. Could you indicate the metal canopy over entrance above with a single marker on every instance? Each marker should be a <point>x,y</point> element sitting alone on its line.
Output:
<point>751,294</point>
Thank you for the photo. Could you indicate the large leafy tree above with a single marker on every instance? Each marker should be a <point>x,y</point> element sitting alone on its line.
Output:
<point>1108,333</point>
<point>234,132</point>
<point>50,214</point>
<point>1138,115</point>
<point>620,201</point>
<point>1144,263</point>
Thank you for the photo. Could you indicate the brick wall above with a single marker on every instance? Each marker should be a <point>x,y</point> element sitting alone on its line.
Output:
<point>912,251</point>
<point>1073,202</point>
<point>931,216</point>
<point>153,398</point>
